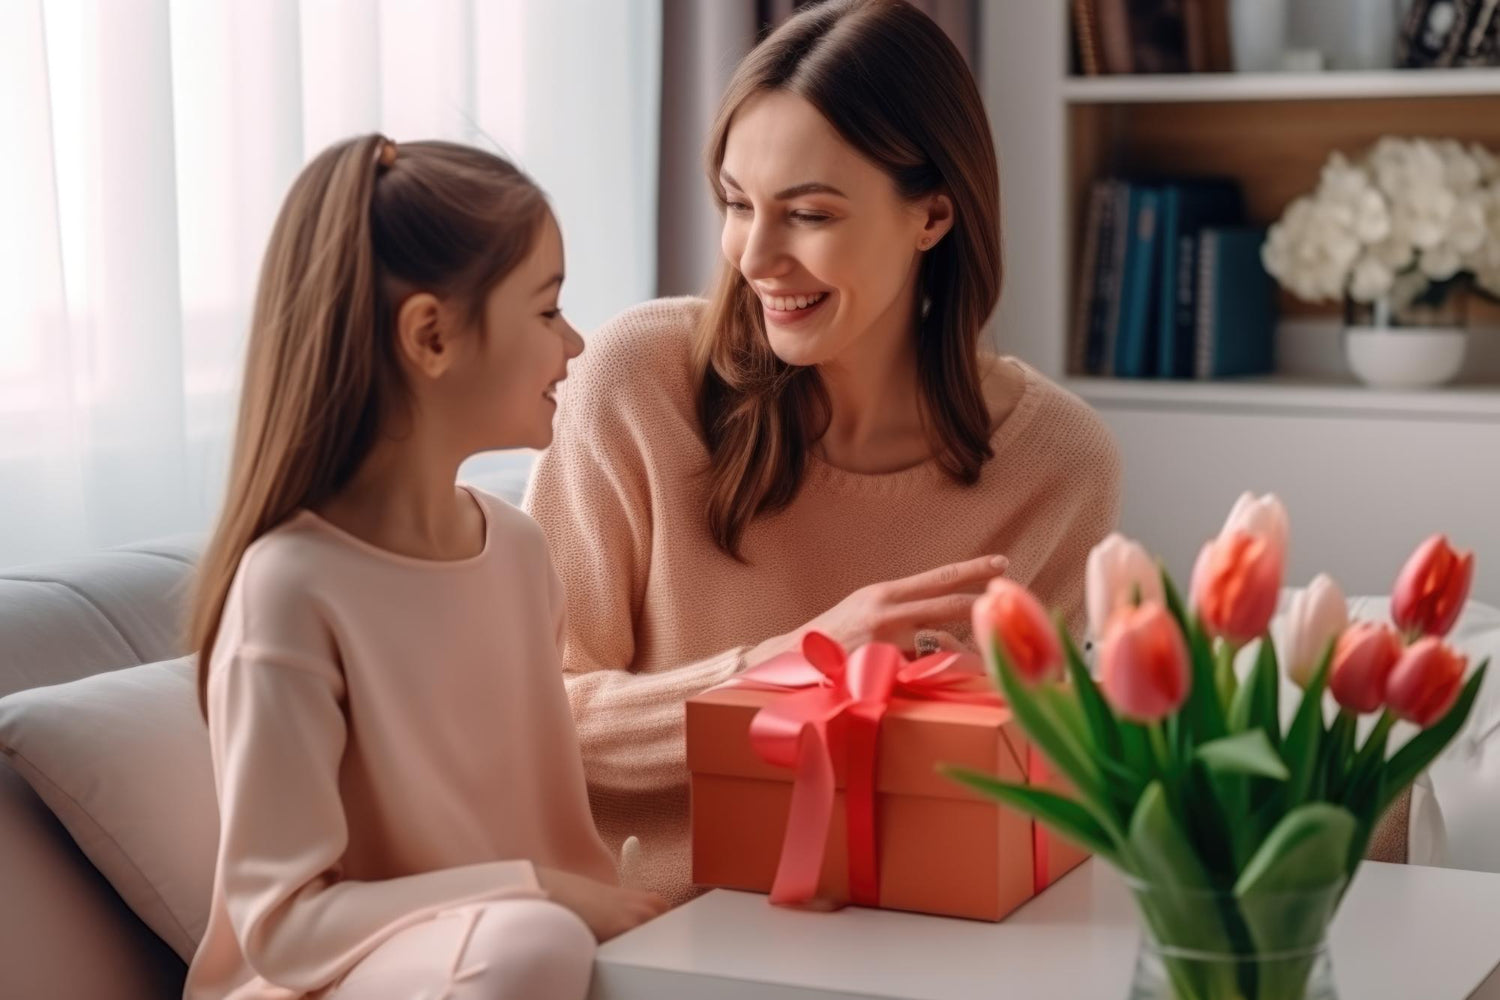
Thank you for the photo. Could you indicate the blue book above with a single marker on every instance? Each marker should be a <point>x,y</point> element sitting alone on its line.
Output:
<point>1134,355</point>
<point>1236,305</point>
<point>1186,207</point>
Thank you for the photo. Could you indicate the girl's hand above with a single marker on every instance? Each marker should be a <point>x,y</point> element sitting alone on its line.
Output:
<point>609,910</point>
<point>896,610</point>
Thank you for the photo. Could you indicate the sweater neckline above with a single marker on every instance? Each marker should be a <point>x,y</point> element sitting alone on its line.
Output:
<point>386,555</point>
<point>830,476</point>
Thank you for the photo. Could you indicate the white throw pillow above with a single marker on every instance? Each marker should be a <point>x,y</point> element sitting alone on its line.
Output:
<point>122,759</point>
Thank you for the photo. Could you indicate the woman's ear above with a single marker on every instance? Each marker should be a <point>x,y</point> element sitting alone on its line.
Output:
<point>937,220</point>
<point>423,335</point>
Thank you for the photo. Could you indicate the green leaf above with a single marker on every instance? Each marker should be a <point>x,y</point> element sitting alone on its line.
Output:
<point>1203,711</point>
<point>1289,889</point>
<point>1059,812</point>
<point>1338,754</point>
<point>1303,744</point>
<point>1101,720</point>
<point>1412,759</point>
<point>1248,753</point>
<point>1258,702</point>
<point>1306,851</point>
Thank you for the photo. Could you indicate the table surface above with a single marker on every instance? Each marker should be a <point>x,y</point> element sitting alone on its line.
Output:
<point>1403,933</point>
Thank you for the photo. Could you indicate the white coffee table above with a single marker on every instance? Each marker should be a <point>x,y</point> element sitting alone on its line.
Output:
<point>1403,933</point>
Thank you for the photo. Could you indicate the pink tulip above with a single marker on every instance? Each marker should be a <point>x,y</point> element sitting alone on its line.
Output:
<point>1431,589</point>
<point>1362,663</point>
<point>1425,682</point>
<point>1143,663</point>
<point>1261,517</point>
<point>1318,615</point>
<point>1236,584</point>
<point>1008,612</point>
<point>1119,575</point>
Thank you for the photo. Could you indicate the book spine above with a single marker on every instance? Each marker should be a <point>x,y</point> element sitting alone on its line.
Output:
<point>1104,263</point>
<point>1086,24</point>
<point>1088,263</point>
<point>1206,335</point>
<point>1115,278</point>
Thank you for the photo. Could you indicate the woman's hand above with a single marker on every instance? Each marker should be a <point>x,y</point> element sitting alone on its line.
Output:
<point>609,910</point>
<point>896,610</point>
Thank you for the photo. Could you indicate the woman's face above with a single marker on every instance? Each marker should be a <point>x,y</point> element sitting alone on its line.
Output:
<point>820,233</point>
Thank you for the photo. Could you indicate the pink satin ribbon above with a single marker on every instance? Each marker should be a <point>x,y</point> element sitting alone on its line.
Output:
<point>825,687</point>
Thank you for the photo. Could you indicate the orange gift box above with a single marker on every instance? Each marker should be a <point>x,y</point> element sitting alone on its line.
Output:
<point>938,847</point>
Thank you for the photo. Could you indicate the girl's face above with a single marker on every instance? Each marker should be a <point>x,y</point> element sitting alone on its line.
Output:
<point>820,233</point>
<point>506,387</point>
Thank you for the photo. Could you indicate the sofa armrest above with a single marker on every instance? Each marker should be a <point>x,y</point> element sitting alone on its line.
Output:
<point>63,930</point>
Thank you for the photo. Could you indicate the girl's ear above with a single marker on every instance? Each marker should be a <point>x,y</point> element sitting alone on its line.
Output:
<point>423,335</point>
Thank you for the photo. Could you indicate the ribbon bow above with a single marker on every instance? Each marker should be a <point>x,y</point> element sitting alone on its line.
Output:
<point>827,687</point>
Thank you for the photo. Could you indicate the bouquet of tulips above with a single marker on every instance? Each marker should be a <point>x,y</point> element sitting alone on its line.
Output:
<point>1237,833</point>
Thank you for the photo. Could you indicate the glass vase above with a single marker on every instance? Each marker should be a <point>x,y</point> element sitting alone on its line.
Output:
<point>1207,945</point>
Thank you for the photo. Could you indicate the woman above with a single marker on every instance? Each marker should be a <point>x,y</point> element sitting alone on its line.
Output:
<point>822,444</point>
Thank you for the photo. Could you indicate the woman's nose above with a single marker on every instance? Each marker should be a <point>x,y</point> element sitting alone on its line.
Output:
<point>572,341</point>
<point>762,256</point>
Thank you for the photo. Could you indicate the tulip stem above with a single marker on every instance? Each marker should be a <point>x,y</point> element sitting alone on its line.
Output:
<point>1224,678</point>
<point>1159,751</point>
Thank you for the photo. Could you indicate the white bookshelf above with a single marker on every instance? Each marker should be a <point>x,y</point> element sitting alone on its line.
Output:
<point>1366,473</point>
<point>1292,395</point>
<point>1185,88</point>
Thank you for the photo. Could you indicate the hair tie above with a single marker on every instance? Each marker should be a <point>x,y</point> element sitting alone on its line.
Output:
<point>386,156</point>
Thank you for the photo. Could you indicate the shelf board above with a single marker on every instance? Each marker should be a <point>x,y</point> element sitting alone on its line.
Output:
<point>1332,84</point>
<point>1291,395</point>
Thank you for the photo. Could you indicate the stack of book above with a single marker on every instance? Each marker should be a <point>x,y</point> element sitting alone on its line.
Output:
<point>1151,36</point>
<point>1170,283</point>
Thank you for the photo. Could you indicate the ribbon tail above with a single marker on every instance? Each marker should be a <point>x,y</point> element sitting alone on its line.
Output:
<point>859,800</point>
<point>803,847</point>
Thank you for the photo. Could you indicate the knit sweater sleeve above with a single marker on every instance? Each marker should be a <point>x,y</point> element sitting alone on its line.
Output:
<point>1083,487</point>
<point>592,496</point>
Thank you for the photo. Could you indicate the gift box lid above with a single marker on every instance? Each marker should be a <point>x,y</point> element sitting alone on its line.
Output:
<point>915,737</point>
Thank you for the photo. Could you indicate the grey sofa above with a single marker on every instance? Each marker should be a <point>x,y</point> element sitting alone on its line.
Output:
<point>64,932</point>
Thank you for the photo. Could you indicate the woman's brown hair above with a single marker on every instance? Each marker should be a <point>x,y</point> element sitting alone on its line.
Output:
<point>366,224</point>
<point>895,88</point>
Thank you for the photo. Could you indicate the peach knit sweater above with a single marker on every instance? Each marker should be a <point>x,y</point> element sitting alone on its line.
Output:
<point>390,741</point>
<point>656,613</point>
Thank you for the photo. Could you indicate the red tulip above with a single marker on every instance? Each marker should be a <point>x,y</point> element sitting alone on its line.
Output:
<point>1362,663</point>
<point>1143,663</point>
<point>1425,681</point>
<point>1236,584</point>
<point>1431,589</point>
<point>1007,611</point>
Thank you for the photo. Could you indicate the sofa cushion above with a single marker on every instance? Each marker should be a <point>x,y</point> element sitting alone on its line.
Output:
<point>122,759</point>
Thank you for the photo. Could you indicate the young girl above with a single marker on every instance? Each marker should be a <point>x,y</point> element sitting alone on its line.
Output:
<point>402,802</point>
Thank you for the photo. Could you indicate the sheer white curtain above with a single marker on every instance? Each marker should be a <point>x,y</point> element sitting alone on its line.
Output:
<point>147,145</point>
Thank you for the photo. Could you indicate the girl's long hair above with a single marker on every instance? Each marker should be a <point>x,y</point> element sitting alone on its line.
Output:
<point>366,224</point>
<point>894,87</point>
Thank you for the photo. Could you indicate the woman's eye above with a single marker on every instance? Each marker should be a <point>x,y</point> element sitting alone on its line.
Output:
<point>553,313</point>
<point>809,217</point>
<point>737,207</point>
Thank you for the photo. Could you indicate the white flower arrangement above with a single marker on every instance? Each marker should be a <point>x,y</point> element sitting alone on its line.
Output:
<point>1408,219</point>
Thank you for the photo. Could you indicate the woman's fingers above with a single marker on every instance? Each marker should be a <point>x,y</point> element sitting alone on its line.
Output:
<point>946,610</point>
<point>946,579</point>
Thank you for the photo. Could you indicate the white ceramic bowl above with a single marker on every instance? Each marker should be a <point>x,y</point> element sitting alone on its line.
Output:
<point>1405,358</point>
